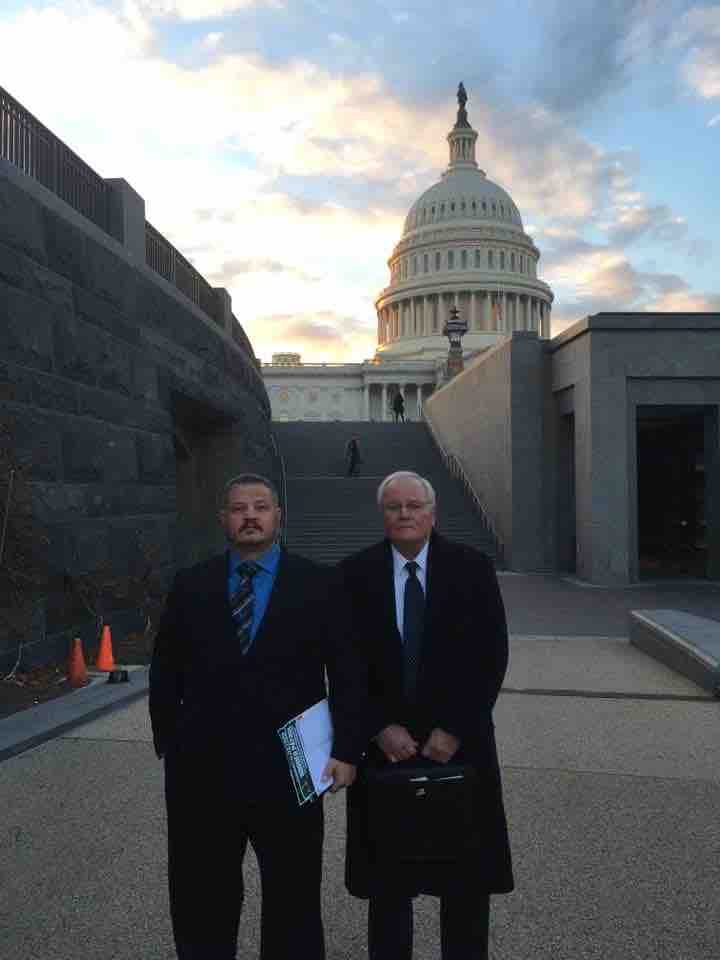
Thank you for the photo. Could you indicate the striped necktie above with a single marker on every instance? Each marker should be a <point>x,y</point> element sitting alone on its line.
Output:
<point>242,604</point>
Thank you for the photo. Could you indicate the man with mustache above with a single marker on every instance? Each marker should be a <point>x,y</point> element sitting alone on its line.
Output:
<point>243,647</point>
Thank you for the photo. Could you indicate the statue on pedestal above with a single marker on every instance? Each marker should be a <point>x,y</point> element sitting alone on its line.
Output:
<point>462,120</point>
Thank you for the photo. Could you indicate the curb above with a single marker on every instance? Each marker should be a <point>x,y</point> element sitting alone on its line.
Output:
<point>29,728</point>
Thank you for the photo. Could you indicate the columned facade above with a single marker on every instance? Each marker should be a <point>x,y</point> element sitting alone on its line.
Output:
<point>349,391</point>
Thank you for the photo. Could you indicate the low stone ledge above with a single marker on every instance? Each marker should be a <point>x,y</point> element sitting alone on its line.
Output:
<point>686,643</point>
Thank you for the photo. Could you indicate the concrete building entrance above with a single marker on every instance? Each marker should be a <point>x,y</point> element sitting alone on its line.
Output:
<point>671,486</point>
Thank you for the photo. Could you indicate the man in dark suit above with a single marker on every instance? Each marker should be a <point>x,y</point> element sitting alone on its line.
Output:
<point>242,648</point>
<point>429,618</point>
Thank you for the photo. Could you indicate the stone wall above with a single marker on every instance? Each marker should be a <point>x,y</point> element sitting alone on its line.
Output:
<point>605,367</point>
<point>128,405</point>
<point>492,417</point>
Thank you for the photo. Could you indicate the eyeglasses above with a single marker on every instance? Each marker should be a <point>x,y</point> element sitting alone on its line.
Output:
<point>412,506</point>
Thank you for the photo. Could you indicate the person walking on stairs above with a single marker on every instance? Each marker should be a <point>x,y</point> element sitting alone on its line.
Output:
<point>399,407</point>
<point>352,455</point>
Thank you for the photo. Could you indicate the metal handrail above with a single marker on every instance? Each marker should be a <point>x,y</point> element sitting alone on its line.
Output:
<point>457,470</point>
<point>28,145</point>
<point>32,148</point>
<point>162,257</point>
<point>283,487</point>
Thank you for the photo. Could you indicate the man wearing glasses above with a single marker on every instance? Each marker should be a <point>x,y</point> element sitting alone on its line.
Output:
<point>428,617</point>
<point>243,647</point>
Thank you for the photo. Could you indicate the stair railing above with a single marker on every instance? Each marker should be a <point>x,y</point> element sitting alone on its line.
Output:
<point>457,470</point>
<point>280,463</point>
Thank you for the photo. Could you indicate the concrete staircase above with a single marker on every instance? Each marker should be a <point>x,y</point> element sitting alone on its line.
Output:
<point>331,515</point>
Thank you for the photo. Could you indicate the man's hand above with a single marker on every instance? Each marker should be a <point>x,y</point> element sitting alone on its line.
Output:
<point>396,743</point>
<point>341,774</point>
<point>441,746</point>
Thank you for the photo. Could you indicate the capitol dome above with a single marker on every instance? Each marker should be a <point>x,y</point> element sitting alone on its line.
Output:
<point>463,195</point>
<point>464,245</point>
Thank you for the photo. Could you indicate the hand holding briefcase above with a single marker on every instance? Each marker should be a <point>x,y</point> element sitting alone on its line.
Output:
<point>421,812</point>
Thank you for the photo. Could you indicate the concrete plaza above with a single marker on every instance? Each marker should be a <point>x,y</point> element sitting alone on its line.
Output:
<point>611,768</point>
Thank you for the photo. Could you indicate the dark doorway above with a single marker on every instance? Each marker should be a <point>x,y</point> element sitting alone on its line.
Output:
<point>566,546</point>
<point>196,429</point>
<point>672,499</point>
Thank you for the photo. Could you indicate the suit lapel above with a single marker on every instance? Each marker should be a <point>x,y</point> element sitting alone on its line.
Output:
<point>215,589</point>
<point>437,586</point>
<point>387,596</point>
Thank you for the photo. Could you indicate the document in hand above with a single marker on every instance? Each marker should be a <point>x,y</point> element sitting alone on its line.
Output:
<point>307,740</point>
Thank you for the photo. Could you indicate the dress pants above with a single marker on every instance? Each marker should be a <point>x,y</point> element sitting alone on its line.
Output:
<point>208,834</point>
<point>464,923</point>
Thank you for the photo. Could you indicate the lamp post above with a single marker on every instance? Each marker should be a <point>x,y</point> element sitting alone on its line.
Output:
<point>455,329</point>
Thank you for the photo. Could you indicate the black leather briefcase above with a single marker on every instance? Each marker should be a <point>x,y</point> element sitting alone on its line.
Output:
<point>421,812</point>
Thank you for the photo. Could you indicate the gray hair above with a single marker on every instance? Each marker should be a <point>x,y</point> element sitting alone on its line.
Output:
<point>406,475</point>
<point>245,480</point>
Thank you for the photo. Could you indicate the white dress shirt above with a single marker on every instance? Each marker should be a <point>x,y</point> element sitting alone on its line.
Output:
<point>401,575</point>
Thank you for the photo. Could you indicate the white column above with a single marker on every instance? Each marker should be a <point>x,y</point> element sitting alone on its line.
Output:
<point>419,401</point>
<point>426,316</point>
<point>383,408</point>
<point>503,312</point>
<point>487,311</point>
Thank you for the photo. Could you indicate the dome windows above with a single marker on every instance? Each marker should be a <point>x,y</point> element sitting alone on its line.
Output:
<point>463,260</point>
<point>502,259</point>
<point>491,259</point>
<point>437,260</point>
<point>512,261</point>
<point>451,260</point>
<point>426,259</point>
<point>477,259</point>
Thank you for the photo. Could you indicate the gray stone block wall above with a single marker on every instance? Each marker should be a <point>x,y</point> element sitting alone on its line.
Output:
<point>491,417</point>
<point>103,368</point>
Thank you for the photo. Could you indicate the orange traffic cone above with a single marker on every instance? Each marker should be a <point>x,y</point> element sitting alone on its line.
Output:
<point>76,670</point>
<point>105,660</point>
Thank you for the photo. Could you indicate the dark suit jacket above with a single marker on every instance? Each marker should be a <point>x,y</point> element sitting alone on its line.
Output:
<point>463,660</point>
<point>218,711</point>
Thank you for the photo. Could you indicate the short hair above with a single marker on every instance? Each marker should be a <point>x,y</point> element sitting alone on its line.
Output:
<point>406,475</point>
<point>245,480</point>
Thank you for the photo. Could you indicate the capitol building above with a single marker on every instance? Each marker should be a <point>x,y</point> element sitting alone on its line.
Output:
<point>463,245</point>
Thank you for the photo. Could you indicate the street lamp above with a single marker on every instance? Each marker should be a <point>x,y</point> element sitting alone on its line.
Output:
<point>455,329</point>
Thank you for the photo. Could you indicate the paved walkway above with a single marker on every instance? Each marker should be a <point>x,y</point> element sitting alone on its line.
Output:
<point>611,767</point>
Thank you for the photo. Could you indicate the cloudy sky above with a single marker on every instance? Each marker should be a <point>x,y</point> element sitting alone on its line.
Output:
<point>279,143</point>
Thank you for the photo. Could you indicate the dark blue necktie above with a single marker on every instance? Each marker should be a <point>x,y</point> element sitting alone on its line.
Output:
<point>242,604</point>
<point>413,619</point>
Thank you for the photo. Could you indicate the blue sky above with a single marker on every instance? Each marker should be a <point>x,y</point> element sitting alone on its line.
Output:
<point>279,143</point>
